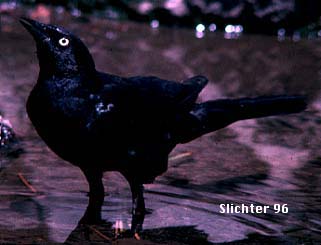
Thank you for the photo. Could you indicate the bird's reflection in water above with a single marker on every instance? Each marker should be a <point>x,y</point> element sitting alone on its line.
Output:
<point>30,225</point>
<point>106,233</point>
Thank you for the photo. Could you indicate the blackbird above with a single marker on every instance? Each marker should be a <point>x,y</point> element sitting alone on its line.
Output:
<point>102,122</point>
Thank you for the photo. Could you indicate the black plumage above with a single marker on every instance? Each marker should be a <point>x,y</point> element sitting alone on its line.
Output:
<point>101,122</point>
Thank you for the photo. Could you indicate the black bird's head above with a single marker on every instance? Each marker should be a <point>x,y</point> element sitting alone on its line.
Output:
<point>59,52</point>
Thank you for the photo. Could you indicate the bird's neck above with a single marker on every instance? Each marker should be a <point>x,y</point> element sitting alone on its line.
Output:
<point>65,66</point>
<point>47,71</point>
<point>61,80</point>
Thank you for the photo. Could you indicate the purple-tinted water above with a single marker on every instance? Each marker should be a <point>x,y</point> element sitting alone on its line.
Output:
<point>268,161</point>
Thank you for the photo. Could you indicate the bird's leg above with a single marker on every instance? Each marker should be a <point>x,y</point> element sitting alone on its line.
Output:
<point>138,208</point>
<point>96,197</point>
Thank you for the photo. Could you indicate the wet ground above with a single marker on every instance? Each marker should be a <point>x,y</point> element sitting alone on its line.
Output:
<point>269,161</point>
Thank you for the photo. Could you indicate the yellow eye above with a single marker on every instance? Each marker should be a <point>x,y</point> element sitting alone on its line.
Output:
<point>63,42</point>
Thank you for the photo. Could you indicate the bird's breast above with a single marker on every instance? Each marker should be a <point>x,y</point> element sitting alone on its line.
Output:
<point>60,128</point>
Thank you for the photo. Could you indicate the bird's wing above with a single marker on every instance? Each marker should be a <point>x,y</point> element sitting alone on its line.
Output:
<point>177,95</point>
<point>135,114</point>
<point>130,106</point>
<point>153,93</point>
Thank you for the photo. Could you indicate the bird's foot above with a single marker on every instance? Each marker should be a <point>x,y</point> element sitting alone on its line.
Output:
<point>137,222</point>
<point>136,230</point>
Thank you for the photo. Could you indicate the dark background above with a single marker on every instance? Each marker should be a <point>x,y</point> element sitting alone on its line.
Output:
<point>257,16</point>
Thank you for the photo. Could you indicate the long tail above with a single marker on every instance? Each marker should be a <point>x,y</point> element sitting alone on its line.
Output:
<point>213,115</point>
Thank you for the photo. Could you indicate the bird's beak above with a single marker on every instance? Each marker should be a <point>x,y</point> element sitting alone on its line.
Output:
<point>36,29</point>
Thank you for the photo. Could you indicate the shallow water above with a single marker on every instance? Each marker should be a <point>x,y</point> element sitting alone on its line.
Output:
<point>268,161</point>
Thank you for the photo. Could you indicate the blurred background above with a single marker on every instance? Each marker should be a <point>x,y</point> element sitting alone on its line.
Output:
<point>245,48</point>
<point>282,17</point>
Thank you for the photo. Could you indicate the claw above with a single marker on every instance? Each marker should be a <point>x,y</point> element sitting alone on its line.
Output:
<point>137,237</point>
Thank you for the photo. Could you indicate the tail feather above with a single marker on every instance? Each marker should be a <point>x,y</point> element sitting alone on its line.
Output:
<point>267,106</point>
<point>213,115</point>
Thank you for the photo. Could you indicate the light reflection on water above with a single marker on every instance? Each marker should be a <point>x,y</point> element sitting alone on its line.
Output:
<point>274,160</point>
